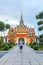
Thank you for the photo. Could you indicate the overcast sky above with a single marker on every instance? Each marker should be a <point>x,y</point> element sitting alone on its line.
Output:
<point>10,11</point>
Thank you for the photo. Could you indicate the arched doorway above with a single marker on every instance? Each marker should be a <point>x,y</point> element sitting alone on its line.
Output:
<point>22,40</point>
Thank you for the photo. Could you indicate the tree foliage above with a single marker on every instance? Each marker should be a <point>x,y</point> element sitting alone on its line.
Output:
<point>2,26</point>
<point>7,26</point>
<point>39,16</point>
<point>40,24</point>
<point>40,28</point>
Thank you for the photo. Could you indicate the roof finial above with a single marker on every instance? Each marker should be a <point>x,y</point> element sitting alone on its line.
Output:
<point>21,16</point>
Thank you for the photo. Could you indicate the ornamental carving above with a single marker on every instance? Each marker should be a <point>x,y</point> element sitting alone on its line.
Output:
<point>21,29</point>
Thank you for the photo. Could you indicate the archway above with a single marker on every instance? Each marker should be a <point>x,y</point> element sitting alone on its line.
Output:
<point>22,40</point>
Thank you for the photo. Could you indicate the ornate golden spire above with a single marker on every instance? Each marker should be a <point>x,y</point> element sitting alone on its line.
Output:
<point>21,17</point>
<point>21,20</point>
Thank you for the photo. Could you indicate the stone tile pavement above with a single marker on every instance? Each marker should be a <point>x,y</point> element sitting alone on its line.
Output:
<point>25,57</point>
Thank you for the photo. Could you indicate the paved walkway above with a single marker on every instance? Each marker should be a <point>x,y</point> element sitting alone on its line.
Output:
<point>25,57</point>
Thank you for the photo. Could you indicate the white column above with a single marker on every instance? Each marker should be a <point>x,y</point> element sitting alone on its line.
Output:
<point>7,40</point>
<point>16,41</point>
<point>25,40</point>
<point>4,40</point>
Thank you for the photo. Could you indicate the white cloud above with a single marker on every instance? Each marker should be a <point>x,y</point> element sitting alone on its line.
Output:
<point>9,20</point>
<point>30,25</point>
<point>4,33</point>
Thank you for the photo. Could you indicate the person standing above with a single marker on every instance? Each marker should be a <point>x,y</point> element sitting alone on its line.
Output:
<point>21,44</point>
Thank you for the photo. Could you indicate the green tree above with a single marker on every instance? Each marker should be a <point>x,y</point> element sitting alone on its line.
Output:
<point>40,26</point>
<point>2,26</point>
<point>7,26</point>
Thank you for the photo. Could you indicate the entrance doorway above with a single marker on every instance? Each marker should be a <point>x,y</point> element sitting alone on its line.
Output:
<point>22,40</point>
